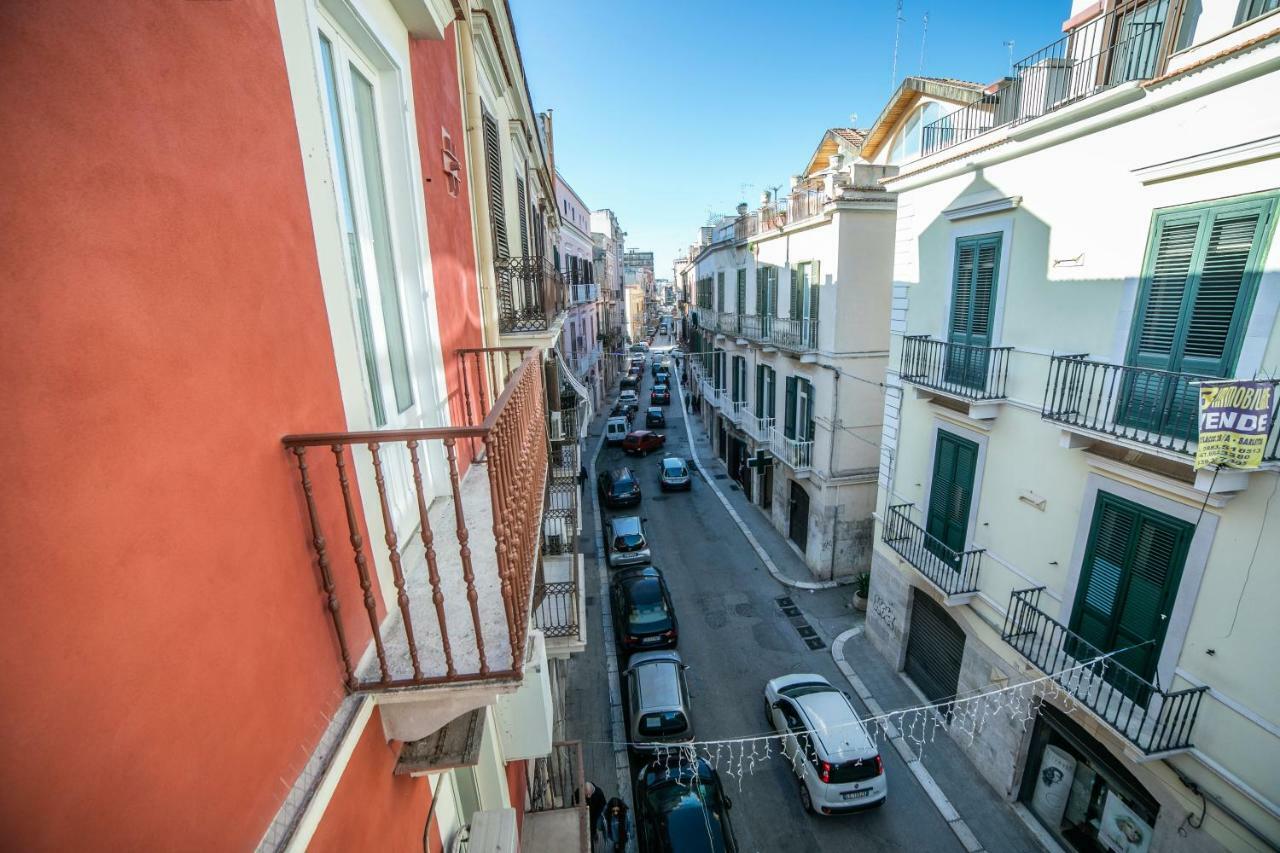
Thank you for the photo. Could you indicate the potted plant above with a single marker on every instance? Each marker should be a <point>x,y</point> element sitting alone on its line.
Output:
<point>861,588</point>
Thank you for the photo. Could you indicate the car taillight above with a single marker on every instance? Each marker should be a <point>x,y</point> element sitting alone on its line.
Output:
<point>669,634</point>
<point>825,768</point>
<point>879,766</point>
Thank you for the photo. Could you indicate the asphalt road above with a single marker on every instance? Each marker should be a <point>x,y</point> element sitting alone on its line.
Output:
<point>734,637</point>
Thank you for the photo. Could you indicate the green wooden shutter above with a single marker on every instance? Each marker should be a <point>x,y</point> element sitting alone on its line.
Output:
<point>720,291</point>
<point>1198,285</point>
<point>806,427</point>
<point>493,171</point>
<point>740,305</point>
<point>1128,583</point>
<point>771,390</point>
<point>815,289</point>
<point>522,202</point>
<point>951,493</point>
<point>759,410</point>
<point>760,286</point>
<point>972,305</point>
<point>789,413</point>
<point>797,293</point>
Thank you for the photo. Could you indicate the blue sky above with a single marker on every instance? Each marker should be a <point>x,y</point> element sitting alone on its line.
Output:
<point>667,111</point>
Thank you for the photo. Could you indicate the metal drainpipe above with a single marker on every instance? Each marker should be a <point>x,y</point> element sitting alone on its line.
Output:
<point>488,282</point>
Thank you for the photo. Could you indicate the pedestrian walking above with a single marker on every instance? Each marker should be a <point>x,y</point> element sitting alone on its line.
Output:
<point>595,808</point>
<point>616,827</point>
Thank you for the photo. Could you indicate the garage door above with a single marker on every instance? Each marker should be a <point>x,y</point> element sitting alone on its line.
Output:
<point>935,647</point>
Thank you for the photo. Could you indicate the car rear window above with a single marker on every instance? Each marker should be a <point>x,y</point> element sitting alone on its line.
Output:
<point>854,771</point>
<point>628,542</point>
<point>663,724</point>
<point>624,483</point>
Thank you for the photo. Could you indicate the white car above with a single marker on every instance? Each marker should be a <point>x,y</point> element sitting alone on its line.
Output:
<point>628,398</point>
<point>826,745</point>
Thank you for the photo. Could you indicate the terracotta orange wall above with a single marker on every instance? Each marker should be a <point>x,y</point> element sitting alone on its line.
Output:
<point>167,655</point>
<point>392,821</point>
<point>437,104</point>
<point>517,773</point>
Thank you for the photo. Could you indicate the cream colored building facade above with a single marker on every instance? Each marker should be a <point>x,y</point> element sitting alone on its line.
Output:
<point>788,341</point>
<point>1074,249</point>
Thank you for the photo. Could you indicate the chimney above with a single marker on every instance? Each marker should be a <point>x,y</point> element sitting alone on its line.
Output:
<point>549,135</point>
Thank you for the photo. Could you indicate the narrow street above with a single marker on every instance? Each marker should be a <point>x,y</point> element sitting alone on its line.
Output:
<point>734,637</point>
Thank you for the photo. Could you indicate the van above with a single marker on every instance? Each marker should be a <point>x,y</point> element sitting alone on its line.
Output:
<point>615,430</point>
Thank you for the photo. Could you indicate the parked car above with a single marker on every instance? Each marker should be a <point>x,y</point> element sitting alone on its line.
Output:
<point>662,378</point>
<point>615,430</point>
<point>660,366</point>
<point>681,805</point>
<point>660,394</point>
<point>629,398</point>
<point>642,441</point>
<point>631,380</point>
<point>828,746</point>
<point>643,616</point>
<point>674,475</point>
<point>640,347</point>
<point>626,541</point>
<point>657,706</point>
<point>619,487</point>
<point>655,417</point>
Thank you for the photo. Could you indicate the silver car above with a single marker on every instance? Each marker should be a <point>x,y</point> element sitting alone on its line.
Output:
<point>657,701</point>
<point>674,474</point>
<point>627,543</point>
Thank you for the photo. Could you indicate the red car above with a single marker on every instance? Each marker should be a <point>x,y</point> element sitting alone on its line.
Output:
<point>641,441</point>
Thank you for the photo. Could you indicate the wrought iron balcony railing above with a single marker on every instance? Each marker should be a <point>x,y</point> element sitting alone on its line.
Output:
<point>796,453</point>
<point>531,294</point>
<point>555,608</point>
<point>952,572</point>
<point>737,411</point>
<point>1152,719</point>
<point>446,600</point>
<point>794,334</point>
<point>971,372</point>
<point>583,293</point>
<point>1152,407</point>
<point>1130,42</point>
<point>560,516</point>
<point>758,427</point>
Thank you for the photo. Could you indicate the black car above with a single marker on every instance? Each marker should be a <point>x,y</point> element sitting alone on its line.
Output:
<point>619,488</point>
<point>655,417</point>
<point>660,395</point>
<point>681,805</point>
<point>643,617</point>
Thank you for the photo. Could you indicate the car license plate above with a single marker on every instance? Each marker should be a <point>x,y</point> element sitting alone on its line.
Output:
<point>651,640</point>
<point>853,795</point>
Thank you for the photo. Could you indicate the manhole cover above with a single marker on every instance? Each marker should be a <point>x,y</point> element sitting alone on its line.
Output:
<point>806,632</point>
<point>791,611</point>
<point>814,643</point>
<point>784,601</point>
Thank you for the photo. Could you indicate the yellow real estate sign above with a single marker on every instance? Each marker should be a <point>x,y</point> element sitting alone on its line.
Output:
<point>1235,417</point>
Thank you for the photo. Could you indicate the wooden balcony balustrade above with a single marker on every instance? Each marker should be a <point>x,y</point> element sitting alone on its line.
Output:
<point>447,599</point>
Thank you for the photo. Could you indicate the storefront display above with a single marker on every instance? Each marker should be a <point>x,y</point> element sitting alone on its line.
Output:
<point>1081,793</point>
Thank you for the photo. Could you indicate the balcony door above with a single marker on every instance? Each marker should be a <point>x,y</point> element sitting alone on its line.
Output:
<point>1198,286</point>
<point>1139,34</point>
<point>766,297</point>
<point>955,464</point>
<point>358,130</point>
<point>797,421</point>
<point>766,381</point>
<point>1128,582</point>
<point>805,293</point>
<point>973,292</point>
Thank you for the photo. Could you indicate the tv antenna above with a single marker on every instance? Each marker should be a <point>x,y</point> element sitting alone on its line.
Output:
<point>924,37</point>
<point>897,36</point>
<point>1009,44</point>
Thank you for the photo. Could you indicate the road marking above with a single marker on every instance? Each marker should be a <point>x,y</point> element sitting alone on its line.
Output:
<point>738,520</point>
<point>918,771</point>
<point>617,726</point>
